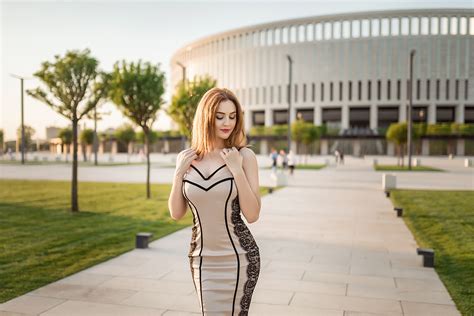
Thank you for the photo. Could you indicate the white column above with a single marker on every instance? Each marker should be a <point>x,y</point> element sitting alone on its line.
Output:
<point>247,119</point>
<point>459,113</point>
<point>425,147</point>
<point>431,113</point>
<point>318,115</point>
<point>403,112</point>
<point>460,146</point>
<point>345,117</point>
<point>373,116</point>
<point>268,117</point>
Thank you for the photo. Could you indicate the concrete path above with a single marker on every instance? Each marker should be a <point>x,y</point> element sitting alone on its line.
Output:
<point>330,244</point>
<point>456,176</point>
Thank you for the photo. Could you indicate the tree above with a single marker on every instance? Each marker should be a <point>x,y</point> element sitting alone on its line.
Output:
<point>185,101</point>
<point>65,135</point>
<point>137,89</point>
<point>397,133</point>
<point>297,131</point>
<point>1,141</point>
<point>75,87</point>
<point>126,135</point>
<point>86,139</point>
<point>29,132</point>
<point>304,133</point>
<point>310,136</point>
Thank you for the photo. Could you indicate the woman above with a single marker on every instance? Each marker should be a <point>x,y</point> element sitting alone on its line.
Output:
<point>218,178</point>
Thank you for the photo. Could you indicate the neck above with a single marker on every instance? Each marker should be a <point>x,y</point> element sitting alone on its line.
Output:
<point>218,144</point>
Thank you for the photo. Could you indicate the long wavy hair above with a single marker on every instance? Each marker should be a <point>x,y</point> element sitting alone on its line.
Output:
<point>204,134</point>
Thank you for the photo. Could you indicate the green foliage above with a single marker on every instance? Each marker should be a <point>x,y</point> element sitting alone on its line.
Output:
<point>66,135</point>
<point>462,129</point>
<point>259,130</point>
<point>137,89</point>
<point>29,132</point>
<point>87,136</point>
<point>439,129</point>
<point>125,134</point>
<point>186,99</point>
<point>419,129</point>
<point>74,80</point>
<point>397,133</point>
<point>1,137</point>
<point>279,129</point>
<point>304,132</point>
<point>152,137</point>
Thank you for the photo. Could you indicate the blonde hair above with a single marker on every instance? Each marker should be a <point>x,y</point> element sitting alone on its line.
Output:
<point>204,134</point>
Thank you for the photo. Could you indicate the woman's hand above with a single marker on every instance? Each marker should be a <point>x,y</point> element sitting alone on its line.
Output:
<point>184,160</point>
<point>233,159</point>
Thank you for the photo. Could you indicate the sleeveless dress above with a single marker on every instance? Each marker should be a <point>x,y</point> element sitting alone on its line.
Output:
<point>223,256</point>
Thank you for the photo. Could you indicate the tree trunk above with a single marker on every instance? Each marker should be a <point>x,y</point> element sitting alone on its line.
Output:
<point>128,152</point>
<point>96,139</point>
<point>147,148</point>
<point>402,154</point>
<point>74,201</point>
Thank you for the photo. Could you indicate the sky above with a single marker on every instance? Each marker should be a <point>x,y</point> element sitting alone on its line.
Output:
<point>35,31</point>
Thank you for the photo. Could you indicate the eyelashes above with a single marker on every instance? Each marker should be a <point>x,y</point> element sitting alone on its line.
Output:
<point>221,117</point>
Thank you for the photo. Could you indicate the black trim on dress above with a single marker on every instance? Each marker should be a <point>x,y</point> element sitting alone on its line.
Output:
<point>193,246</point>
<point>235,249</point>
<point>210,187</point>
<point>202,176</point>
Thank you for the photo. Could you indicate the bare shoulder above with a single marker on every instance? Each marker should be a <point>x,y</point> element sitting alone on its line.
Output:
<point>247,152</point>
<point>248,156</point>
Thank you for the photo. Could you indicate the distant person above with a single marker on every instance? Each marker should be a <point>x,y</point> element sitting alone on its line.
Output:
<point>291,162</point>
<point>336,156</point>
<point>284,159</point>
<point>341,157</point>
<point>274,157</point>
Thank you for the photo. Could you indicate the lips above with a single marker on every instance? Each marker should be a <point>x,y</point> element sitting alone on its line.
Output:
<point>225,130</point>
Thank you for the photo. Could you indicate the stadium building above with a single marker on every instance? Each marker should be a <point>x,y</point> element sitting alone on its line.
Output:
<point>350,72</point>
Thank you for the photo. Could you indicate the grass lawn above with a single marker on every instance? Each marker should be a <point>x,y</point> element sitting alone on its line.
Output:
<point>84,163</point>
<point>405,168</point>
<point>41,241</point>
<point>444,221</point>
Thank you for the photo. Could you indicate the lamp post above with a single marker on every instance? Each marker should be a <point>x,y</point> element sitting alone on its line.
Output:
<point>183,67</point>
<point>22,79</point>
<point>410,119</point>
<point>290,64</point>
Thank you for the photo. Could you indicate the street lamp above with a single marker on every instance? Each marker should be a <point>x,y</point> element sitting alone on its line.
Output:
<point>290,64</point>
<point>183,67</point>
<point>22,79</point>
<point>410,119</point>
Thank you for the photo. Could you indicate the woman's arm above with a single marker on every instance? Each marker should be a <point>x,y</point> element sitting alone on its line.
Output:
<point>246,180</point>
<point>177,203</point>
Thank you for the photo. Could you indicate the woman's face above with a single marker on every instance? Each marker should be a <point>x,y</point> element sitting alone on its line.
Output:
<point>226,118</point>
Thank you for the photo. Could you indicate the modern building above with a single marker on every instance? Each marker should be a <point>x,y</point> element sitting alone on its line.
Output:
<point>350,71</point>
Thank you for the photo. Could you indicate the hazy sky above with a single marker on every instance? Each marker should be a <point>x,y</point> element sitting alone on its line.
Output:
<point>35,31</point>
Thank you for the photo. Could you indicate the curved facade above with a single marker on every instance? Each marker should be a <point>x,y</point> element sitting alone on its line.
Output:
<point>350,71</point>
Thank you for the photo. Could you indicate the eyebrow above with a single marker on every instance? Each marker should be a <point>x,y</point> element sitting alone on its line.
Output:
<point>225,113</point>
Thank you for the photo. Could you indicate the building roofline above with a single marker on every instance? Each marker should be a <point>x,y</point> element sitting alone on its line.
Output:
<point>329,17</point>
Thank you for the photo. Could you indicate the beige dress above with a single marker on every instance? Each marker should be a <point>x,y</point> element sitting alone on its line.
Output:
<point>224,257</point>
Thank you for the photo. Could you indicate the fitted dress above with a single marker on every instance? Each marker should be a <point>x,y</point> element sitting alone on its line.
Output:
<point>223,256</point>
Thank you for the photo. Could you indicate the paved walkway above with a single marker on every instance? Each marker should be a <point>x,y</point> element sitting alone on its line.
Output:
<point>330,244</point>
